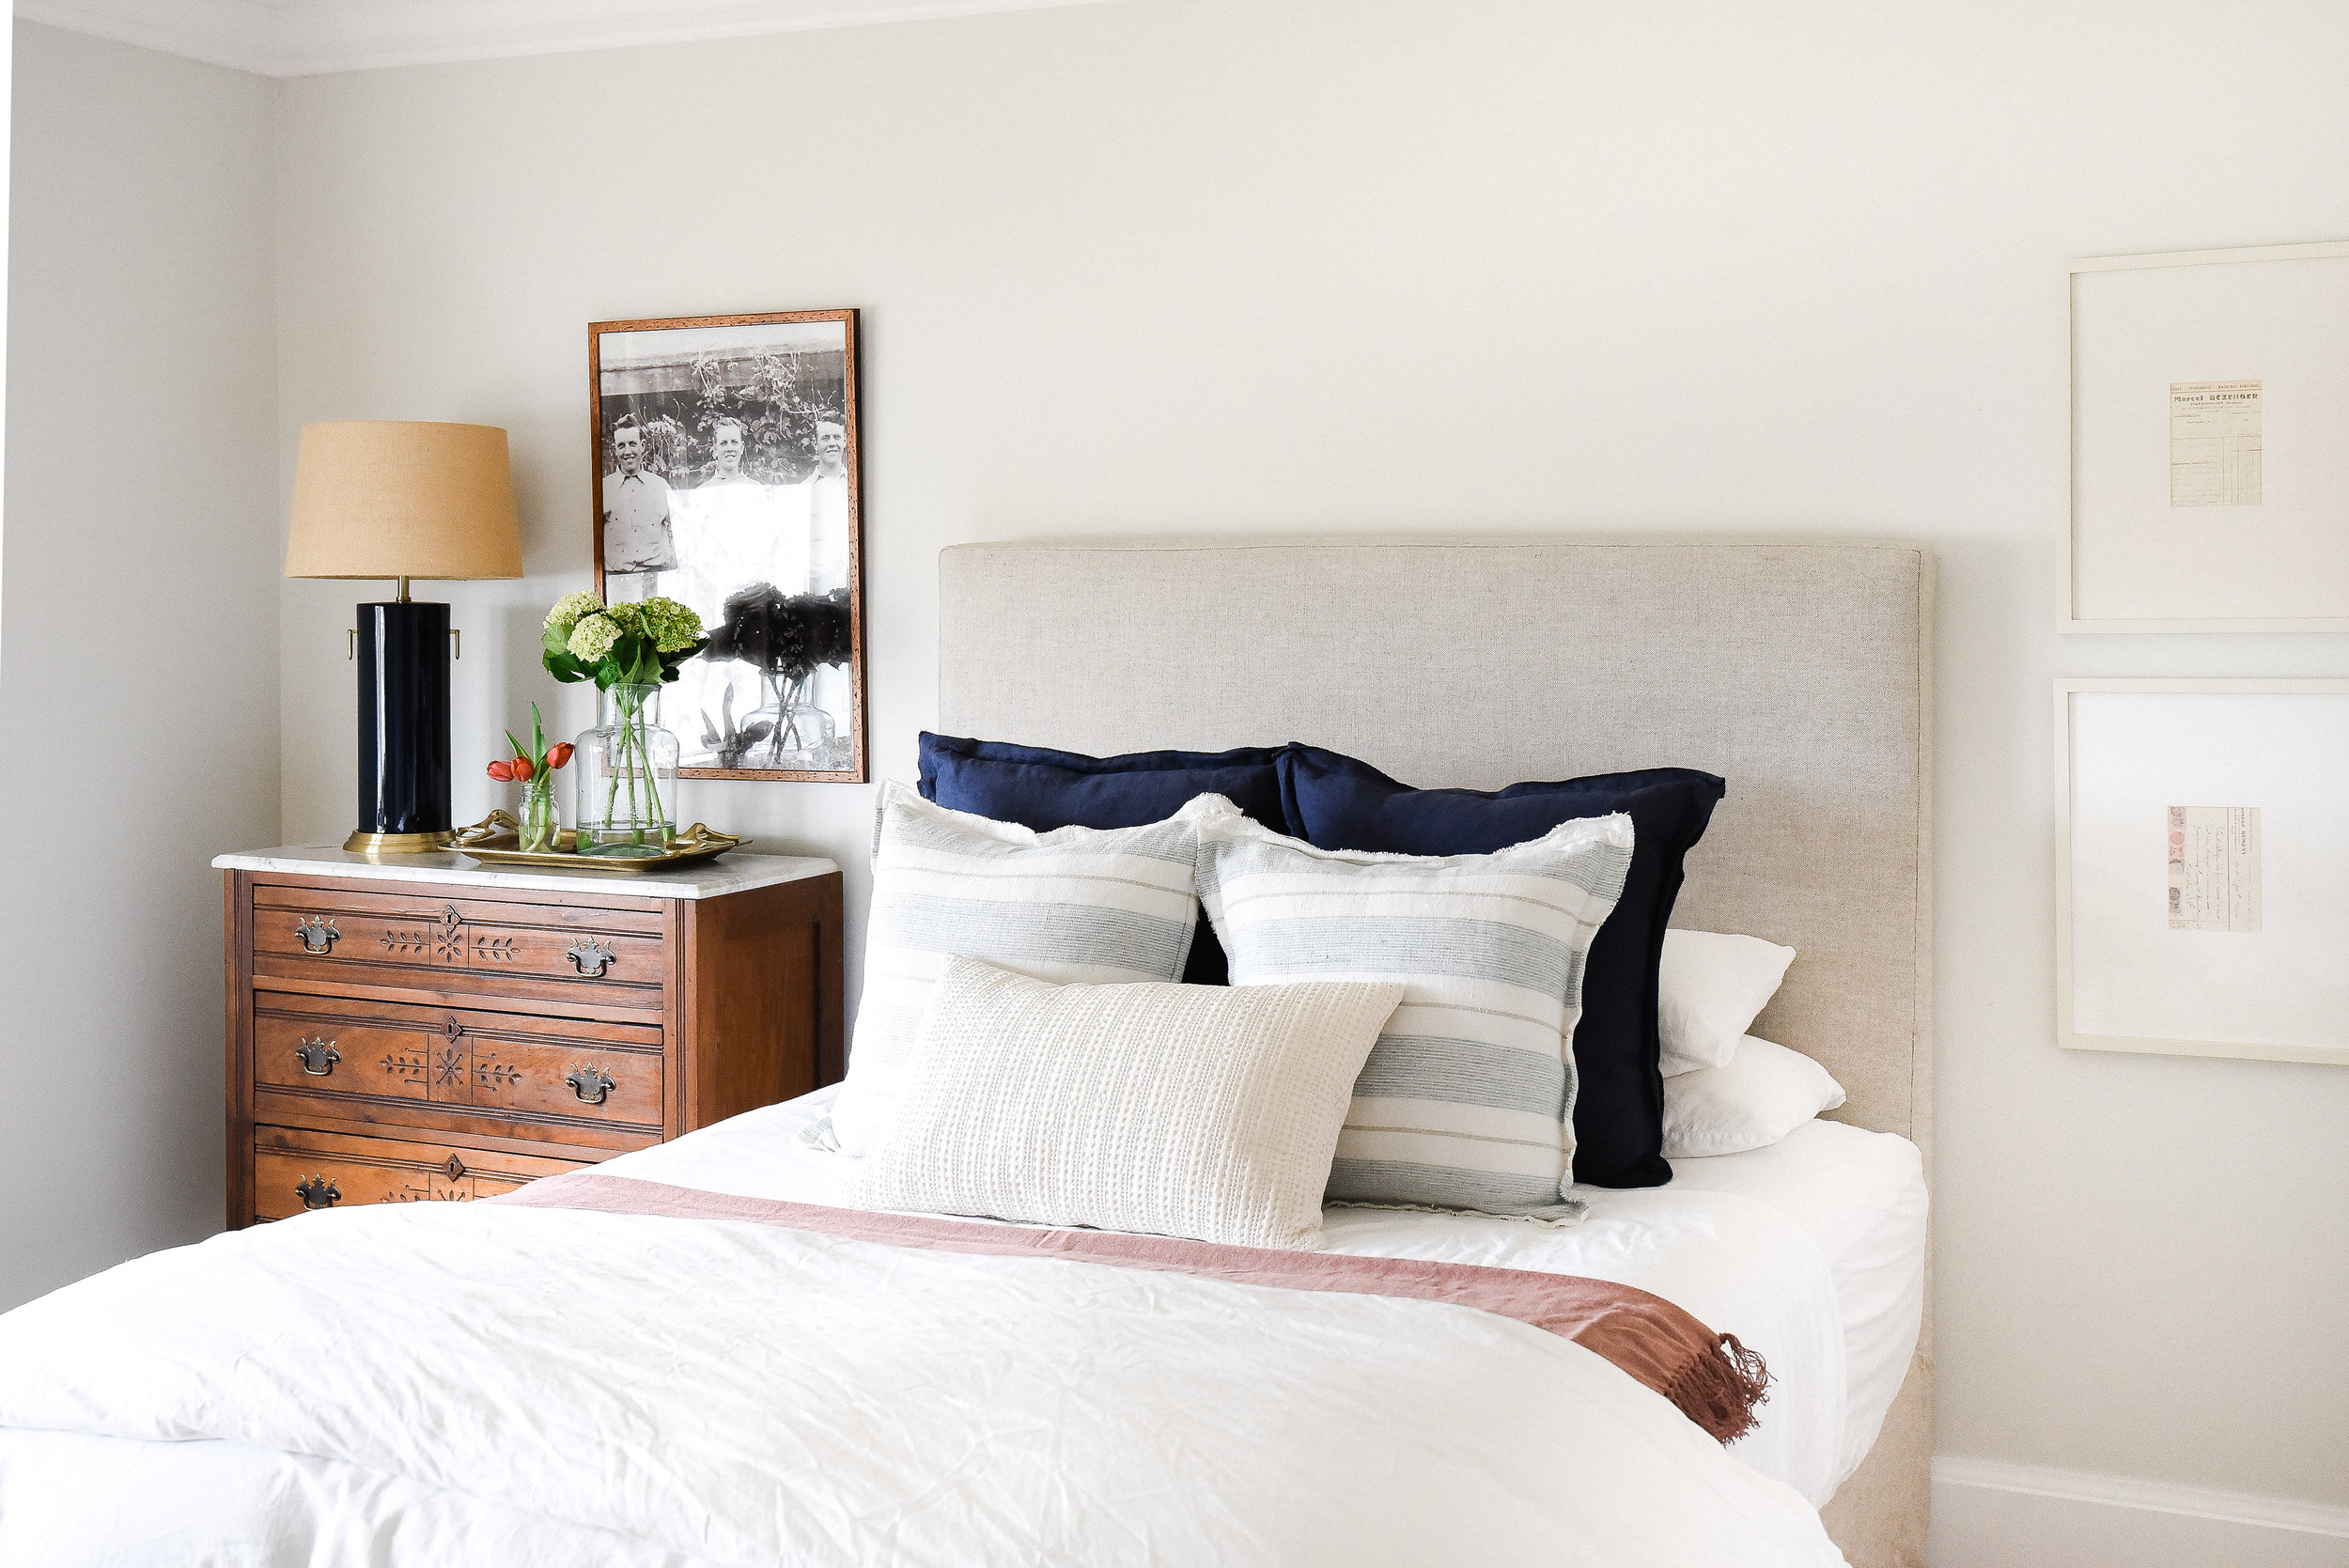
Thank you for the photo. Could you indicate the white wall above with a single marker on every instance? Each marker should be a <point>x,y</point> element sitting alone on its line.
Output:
<point>1223,266</point>
<point>140,656</point>
<point>1488,265</point>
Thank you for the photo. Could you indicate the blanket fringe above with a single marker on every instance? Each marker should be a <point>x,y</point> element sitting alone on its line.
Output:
<point>1720,1389</point>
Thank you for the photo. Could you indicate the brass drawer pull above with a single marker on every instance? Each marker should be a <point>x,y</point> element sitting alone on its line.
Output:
<point>583,1080</point>
<point>591,957</point>
<point>318,1057</point>
<point>317,935</point>
<point>316,1192</point>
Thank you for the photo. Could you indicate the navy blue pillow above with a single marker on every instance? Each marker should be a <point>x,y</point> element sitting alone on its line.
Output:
<point>1043,789</point>
<point>1335,802</point>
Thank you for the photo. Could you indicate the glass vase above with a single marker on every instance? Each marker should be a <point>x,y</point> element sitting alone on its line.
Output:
<point>798,734</point>
<point>627,800</point>
<point>536,827</point>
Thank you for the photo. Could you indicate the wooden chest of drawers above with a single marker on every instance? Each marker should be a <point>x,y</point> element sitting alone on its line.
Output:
<point>393,1039</point>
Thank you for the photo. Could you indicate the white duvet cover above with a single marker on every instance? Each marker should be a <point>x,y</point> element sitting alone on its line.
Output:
<point>1861,1197</point>
<point>1811,1250</point>
<point>452,1385</point>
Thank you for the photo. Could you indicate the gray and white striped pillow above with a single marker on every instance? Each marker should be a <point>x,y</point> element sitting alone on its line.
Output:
<point>1467,1101</point>
<point>1077,903</point>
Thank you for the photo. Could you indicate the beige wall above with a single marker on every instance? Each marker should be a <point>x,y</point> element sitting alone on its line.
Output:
<point>139,706</point>
<point>1222,266</point>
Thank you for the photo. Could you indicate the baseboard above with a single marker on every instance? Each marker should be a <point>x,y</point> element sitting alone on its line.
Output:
<point>1988,1514</point>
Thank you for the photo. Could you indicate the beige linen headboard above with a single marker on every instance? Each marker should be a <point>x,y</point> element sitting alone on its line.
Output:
<point>1797,671</point>
<point>1800,672</point>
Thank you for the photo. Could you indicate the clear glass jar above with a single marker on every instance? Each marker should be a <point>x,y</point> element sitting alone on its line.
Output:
<point>627,790</point>
<point>536,827</point>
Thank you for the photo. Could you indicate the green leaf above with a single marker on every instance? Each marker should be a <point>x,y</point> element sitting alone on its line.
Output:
<point>518,748</point>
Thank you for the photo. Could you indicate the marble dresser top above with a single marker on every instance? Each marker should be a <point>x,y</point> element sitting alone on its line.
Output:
<point>736,872</point>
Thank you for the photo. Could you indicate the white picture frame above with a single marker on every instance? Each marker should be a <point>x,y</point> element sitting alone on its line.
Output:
<point>2248,966</point>
<point>2209,489</point>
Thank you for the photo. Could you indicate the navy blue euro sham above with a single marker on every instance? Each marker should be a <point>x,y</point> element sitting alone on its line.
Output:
<point>1041,788</point>
<point>1336,802</point>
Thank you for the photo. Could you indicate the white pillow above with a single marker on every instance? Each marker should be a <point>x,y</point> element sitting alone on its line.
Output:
<point>1709,990</point>
<point>1765,1092</point>
<point>1206,1111</point>
<point>1073,904</point>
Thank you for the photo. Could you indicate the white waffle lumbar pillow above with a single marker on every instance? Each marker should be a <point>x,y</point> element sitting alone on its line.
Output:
<point>1205,1111</point>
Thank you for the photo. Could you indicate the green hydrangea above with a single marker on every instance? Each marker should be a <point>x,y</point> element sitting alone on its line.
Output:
<point>570,610</point>
<point>630,616</point>
<point>673,626</point>
<point>593,636</point>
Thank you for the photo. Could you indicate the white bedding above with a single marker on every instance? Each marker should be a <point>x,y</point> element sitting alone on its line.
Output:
<point>403,1398</point>
<point>1861,1197</point>
<point>1811,1251</point>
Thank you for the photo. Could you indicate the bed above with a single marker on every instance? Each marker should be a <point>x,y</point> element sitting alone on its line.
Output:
<point>1802,671</point>
<point>289,1408</point>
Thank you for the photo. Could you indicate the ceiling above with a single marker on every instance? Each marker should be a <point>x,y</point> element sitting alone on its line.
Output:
<point>303,38</point>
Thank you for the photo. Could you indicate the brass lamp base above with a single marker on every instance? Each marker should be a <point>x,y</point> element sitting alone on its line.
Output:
<point>399,844</point>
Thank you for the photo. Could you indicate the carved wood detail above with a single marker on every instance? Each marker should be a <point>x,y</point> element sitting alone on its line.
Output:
<point>514,1033</point>
<point>404,1067</point>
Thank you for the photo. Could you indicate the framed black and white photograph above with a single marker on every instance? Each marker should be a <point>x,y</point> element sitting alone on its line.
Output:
<point>725,477</point>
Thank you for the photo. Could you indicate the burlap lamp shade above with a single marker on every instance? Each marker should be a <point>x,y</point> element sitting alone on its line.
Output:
<point>395,498</point>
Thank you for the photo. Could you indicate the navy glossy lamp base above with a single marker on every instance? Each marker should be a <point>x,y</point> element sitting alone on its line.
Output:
<point>403,729</point>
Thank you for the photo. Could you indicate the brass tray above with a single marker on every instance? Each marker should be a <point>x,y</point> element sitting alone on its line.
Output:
<point>493,839</point>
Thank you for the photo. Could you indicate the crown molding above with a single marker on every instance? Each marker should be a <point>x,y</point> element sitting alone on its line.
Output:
<point>222,32</point>
<point>322,35</point>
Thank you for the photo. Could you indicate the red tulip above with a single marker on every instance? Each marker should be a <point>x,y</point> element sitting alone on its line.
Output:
<point>502,771</point>
<point>522,770</point>
<point>560,755</point>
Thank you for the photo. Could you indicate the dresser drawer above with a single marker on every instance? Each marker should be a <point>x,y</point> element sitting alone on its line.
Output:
<point>295,1170</point>
<point>611,958</point>
<point>388,1059</point>
<point>380,1028</point>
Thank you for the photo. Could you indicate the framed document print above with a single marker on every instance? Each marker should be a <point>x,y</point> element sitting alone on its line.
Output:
<point>2210,482</point>
<point>2203,873</point>
<point>726,479</point>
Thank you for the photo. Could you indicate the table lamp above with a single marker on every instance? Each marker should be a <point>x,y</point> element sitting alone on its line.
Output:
<point>402,500</point>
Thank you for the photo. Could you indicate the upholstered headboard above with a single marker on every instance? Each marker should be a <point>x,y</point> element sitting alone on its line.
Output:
<point>1800,673</point>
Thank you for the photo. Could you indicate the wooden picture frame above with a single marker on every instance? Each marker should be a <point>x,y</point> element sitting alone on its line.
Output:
<point>2241,780</point>
<point>726,474</point>
<point>2208,489</point>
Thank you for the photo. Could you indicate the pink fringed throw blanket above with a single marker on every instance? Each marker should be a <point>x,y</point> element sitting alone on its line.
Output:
<point>1715,1381</point>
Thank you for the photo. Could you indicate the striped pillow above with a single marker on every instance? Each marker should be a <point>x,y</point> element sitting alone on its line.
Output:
<point>1467,1101</point>
<point>1076,904</point>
